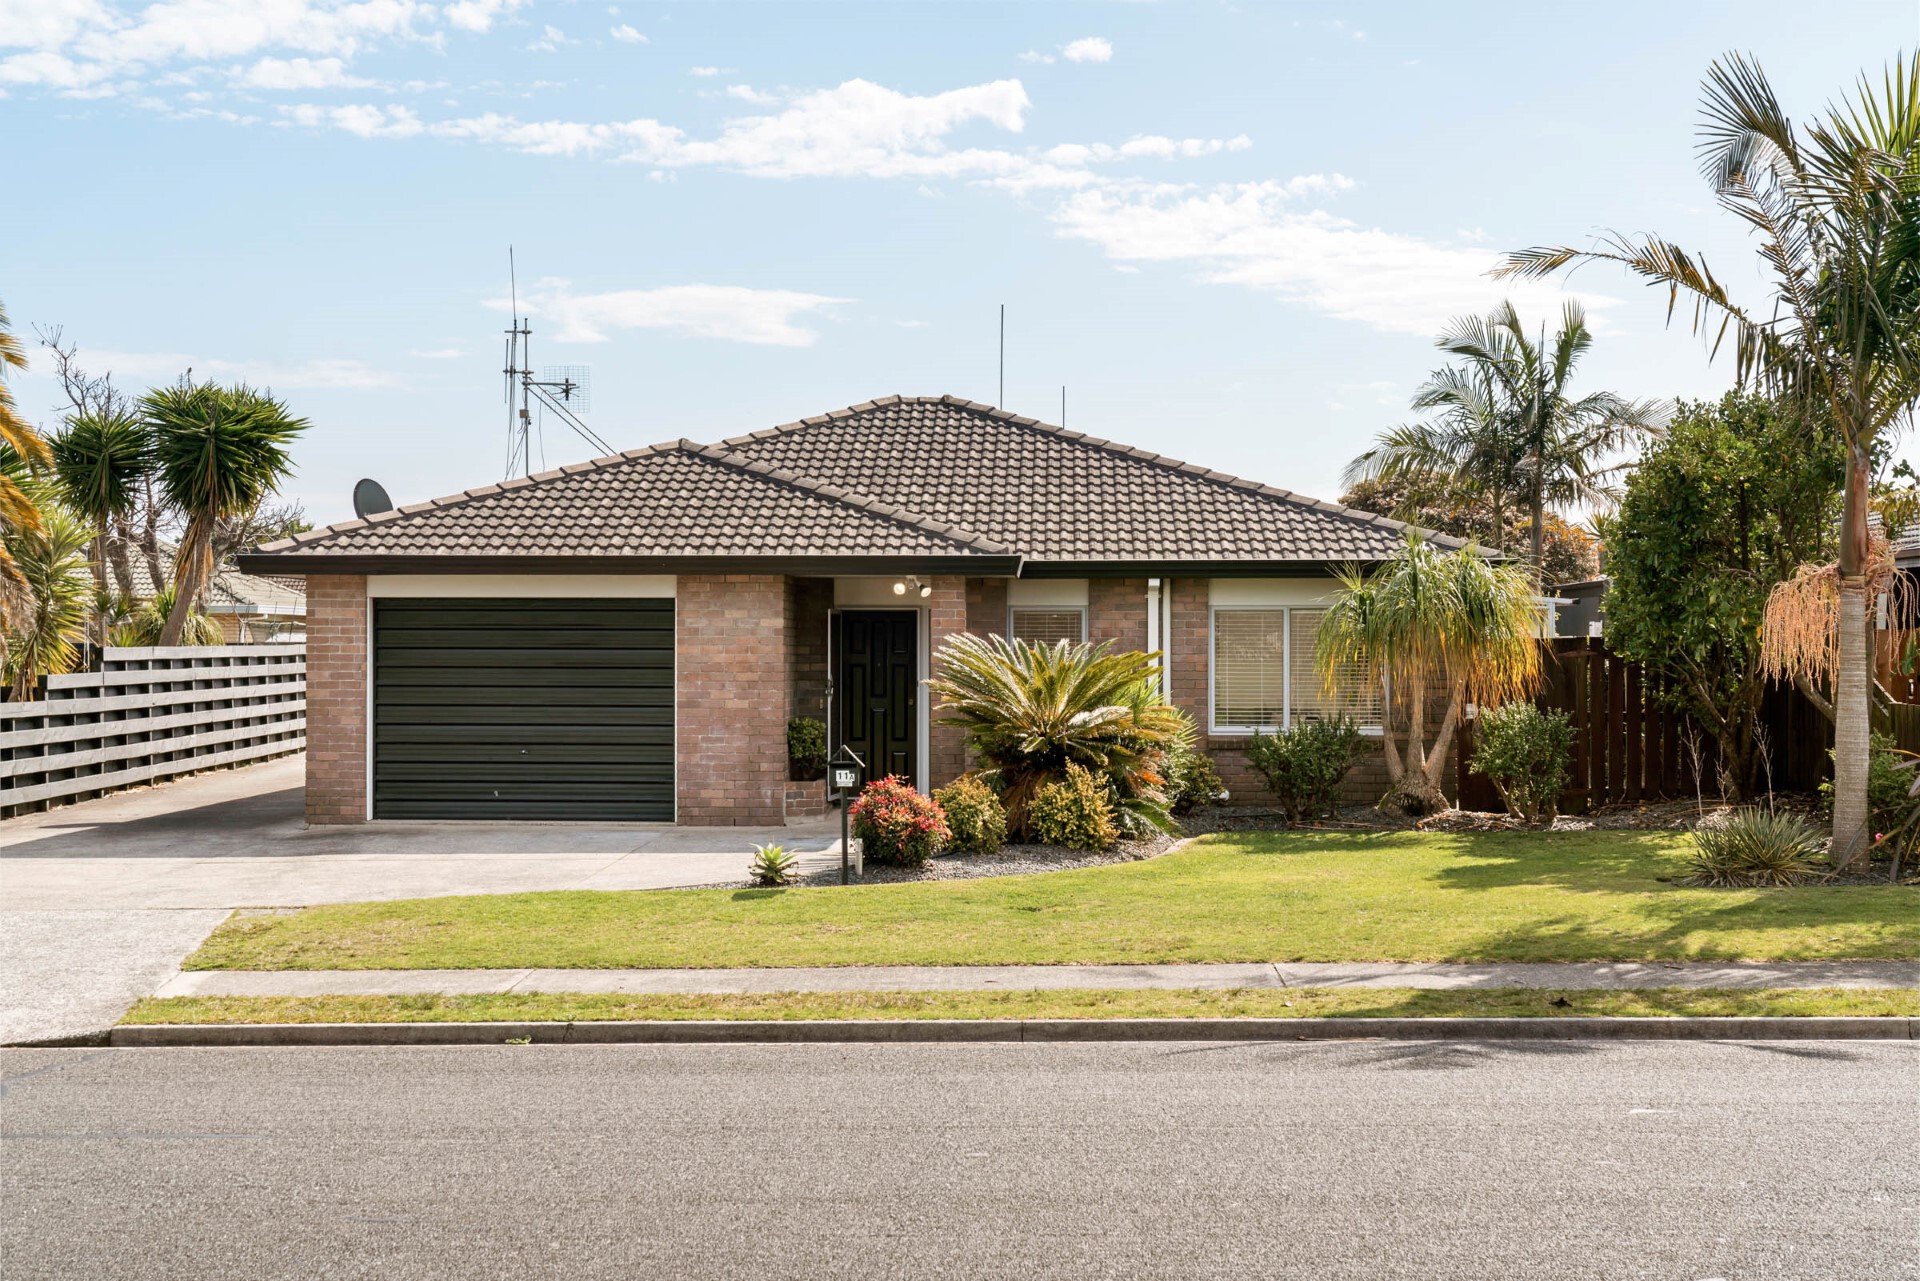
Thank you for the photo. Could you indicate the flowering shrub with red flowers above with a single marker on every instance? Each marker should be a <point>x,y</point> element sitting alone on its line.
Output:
<point>898,824</point>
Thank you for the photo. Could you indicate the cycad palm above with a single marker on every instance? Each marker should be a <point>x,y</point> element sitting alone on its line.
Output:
<point>1429,621</point>
<point>217,452</point>
<point>1031,710</point>
<point>1838,216</point>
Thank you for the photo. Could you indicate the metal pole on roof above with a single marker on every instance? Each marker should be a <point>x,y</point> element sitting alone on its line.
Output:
<point>1063,404</point>
<point>1001,403</point>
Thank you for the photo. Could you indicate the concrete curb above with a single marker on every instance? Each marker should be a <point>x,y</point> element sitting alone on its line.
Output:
<point>814,1032</point>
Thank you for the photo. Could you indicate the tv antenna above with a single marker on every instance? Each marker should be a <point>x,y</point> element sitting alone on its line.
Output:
<point>565,391</point>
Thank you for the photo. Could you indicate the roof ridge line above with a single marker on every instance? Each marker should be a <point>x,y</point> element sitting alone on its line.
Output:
<point>680,444</point>
<point>837,493</point>
<point>1135,453</point>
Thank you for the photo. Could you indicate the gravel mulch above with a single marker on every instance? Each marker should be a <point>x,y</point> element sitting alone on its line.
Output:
<point>1011,860</point>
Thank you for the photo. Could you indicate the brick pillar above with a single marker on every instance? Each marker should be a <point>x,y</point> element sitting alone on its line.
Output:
<point>1188,646</point>
<point>336,698</point>
<point>1117,612</point>
<point>730,631</point>
<point>947,616</point>
<point>808,600</point>
<point>987,606</point>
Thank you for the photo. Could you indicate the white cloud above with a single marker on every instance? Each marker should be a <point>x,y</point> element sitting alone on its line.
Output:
<point>52,70</point>
<point>1257,235</point>
<point>477,15</point>
<point>1034,55</point>
<point>551,38</point>
<point>1088,49</point>
<point>708,72</point>
<point>306,375</point>
<point>764,316</point>
<point>359,119</point>
<point>299,73</point>
<point>747,93</point>
<point>627,34</point>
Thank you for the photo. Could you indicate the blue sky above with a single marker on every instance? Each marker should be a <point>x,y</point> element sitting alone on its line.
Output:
<point>1230,230</point>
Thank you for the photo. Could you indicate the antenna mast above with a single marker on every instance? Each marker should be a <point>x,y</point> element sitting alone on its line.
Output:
<point>1002,402</point>
<point>562,390</point>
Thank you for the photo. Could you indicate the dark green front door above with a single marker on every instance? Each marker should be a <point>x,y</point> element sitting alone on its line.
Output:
<point>523,709</point>
<point>877,689</point>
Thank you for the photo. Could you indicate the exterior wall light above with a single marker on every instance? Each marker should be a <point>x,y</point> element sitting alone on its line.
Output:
<point>901,586</point>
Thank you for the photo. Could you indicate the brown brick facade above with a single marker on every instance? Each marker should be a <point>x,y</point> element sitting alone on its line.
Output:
<point>336,698</point>
<point>1117,612</point>
<point>946,616</point>
<point>731,634</point>
<point>987,606</point>
<point>808,600</point>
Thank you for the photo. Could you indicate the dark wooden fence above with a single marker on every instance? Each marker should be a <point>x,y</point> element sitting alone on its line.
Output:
<point>1631,745</point>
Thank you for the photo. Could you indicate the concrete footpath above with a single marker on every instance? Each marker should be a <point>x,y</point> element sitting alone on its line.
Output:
<point>977,978</point>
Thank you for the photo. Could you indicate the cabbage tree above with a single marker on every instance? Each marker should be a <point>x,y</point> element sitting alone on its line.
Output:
<point>1435,629</point>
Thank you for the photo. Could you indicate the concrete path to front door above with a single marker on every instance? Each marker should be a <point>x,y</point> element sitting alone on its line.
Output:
<point>101,900</point>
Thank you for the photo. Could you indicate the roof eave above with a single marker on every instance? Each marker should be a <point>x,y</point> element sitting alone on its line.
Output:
<point>311,563</point>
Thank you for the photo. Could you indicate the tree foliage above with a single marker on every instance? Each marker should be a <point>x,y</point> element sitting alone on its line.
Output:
<point>1568,554</point>
<point>1738,495</point>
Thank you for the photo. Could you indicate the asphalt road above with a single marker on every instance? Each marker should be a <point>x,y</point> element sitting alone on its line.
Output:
<point>1366,1160</point>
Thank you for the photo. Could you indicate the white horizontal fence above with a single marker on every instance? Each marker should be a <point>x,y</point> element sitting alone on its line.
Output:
<point>151,714</point>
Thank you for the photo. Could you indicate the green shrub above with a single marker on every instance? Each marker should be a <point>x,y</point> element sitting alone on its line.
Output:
<point>1191,777</point>
<point>974,814</point>
<point>897,824</point>
<point>1073,813</point>
<point>1527,754</point>
<point>1304,764</point>
<point>771,866</point>
<point>806,746</point>
<point>1756,847</point>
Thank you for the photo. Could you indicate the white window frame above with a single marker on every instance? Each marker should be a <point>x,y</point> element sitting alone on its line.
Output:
<point>1286,672</point>
<point>1048,609</point>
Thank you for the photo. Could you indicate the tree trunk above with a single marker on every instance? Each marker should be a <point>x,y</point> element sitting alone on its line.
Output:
<point>121,562</point>
<point>1852,706</point>
<point>192,568</point>
<point>97,562</point>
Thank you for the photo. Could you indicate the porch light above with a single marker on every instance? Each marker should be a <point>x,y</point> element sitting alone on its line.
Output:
<point>901,586</point>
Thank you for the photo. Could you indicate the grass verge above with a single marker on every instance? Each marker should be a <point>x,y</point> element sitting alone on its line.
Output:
<point>1079,1003</point>
<point>1302,896</point>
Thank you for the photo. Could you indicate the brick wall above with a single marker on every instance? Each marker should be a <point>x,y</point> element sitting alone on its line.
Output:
<point>336,698</point>
<point>947,616</point>
<point>808,600</point>
<point>731,631</point>
<point>1117,612</point>
<point>987,606</point>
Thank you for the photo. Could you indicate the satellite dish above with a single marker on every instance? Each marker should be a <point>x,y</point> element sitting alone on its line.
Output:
<point>369,499</point>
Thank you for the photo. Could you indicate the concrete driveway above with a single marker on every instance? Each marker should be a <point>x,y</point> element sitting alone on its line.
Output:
<point>100,901</point>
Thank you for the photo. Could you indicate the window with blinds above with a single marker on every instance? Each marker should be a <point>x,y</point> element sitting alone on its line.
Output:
<point>1047,626</point>
<point>1351,693</point>
<point>1255,651</point>
<point>1249,668</point>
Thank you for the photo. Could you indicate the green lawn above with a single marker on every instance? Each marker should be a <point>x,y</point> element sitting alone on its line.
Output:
<point>1296,1003</point>
<point>1306,896</point>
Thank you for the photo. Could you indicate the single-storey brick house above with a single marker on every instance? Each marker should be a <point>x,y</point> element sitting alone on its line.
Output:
<point>626,639</point>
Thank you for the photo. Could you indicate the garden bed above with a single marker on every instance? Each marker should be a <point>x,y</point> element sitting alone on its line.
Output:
<point>1009,860</point>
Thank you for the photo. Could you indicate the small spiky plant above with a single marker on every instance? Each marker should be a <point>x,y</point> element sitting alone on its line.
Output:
<point>1756,848</point>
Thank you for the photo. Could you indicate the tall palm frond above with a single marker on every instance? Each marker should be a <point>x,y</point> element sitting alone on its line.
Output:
<point>24,452</point>
<point>1836,212</point>
<point>43,640</point>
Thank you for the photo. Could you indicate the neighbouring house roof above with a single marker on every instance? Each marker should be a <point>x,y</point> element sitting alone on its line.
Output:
<point>234,592</point>
<point>900,482</point>
<point>677,505</point>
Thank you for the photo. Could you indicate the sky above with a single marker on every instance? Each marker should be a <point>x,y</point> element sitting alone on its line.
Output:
<point>1229,231</point>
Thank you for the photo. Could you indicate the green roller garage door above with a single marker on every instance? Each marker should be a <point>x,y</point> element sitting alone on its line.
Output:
<point>523,709</point>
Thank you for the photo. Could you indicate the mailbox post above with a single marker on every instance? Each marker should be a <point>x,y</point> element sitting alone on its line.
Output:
<point>843,774</point>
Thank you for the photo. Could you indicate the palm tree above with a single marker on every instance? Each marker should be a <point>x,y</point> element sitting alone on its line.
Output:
<point>1031,710</point>
<point>101,460</point>
<point>218,452</point>
<point>1509,428</point>
<point>1838,215</point>
<point>42,639</point>
<point>146,622</point>
<point>18,511</point>
<point>1428,623</point>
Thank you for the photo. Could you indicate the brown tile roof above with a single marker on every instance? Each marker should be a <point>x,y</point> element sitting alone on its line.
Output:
<point>1058,495</point>
<point>670,501</point>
